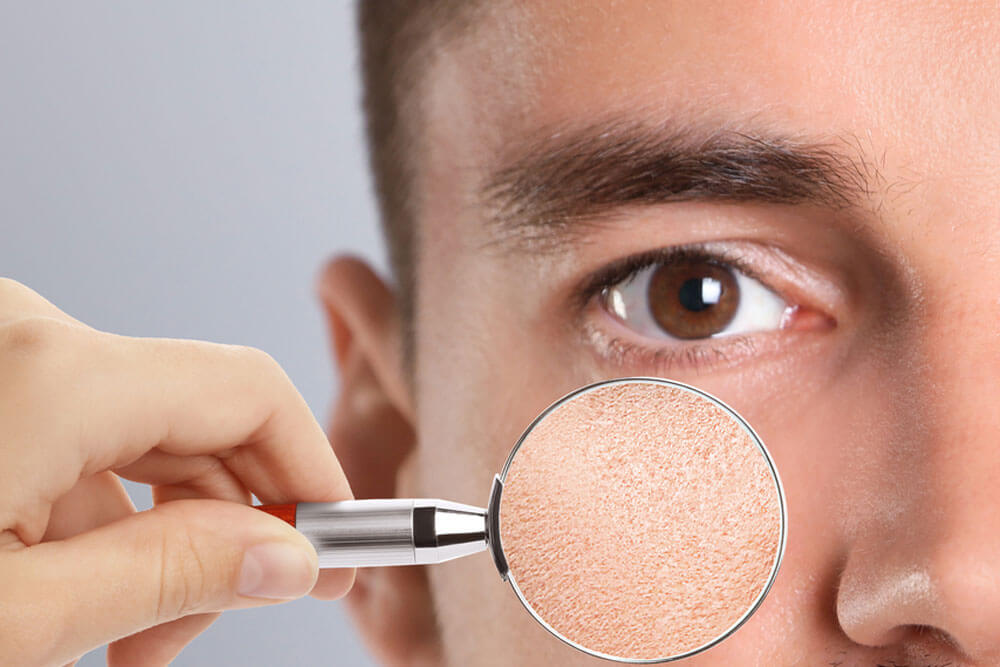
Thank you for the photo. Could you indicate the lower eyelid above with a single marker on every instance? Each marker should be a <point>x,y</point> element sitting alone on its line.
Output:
<point>613,342</point>
<point>738,353</point>
<point>701,356</point>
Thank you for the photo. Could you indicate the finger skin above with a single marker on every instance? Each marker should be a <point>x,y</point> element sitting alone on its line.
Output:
<point>115,398</point>
<point>63,598</point>
<point>97,501</point>
<point>94,501</point>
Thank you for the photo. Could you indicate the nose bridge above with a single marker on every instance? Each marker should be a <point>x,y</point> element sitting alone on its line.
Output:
<point>962,469</point>
<point>936,561</point>
<point>950,359</point>
<point>960,359</point>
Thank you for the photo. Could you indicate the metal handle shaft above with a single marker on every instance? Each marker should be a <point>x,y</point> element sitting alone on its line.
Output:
<point>375,533</point>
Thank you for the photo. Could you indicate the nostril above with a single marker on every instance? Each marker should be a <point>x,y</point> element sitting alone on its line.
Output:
<point>930,645</point>
<point>934,635</point>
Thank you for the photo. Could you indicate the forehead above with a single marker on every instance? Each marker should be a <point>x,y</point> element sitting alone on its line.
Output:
<point>817,67</point>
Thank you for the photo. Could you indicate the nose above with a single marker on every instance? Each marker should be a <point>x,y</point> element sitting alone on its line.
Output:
<point>926,572</point>
<point>946,598</point>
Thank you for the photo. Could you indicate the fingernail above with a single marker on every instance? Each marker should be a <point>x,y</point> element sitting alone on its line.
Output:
<point>275,570</point>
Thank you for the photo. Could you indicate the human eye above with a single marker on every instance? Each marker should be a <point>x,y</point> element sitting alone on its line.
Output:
<point>692,295</point>
<point>697,304</point>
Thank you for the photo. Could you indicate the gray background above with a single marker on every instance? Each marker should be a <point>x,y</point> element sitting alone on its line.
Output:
<point>182,169</point>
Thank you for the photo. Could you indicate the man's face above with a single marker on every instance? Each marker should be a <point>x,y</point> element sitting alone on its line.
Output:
<point>840,160</point>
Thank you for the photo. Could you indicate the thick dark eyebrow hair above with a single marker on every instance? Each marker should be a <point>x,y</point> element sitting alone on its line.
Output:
<point>540,196</point>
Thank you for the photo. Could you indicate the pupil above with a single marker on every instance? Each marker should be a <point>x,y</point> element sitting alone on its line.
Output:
<point>697,294</point>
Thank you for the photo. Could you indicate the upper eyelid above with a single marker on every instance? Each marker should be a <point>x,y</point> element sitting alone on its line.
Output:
<point>628,267</point>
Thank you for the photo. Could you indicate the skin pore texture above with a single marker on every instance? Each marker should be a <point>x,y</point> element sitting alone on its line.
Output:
<point>883,423</point>
<point>640,520</point>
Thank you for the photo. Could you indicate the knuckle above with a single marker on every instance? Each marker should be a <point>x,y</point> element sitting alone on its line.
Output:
<point>31,333</point>
<point>32,345</point>
<point>184,576</point>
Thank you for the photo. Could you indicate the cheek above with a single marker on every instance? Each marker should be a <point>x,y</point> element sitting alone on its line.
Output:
<point>489,359</point>
<point>467,426</point>
<point>485,369</point>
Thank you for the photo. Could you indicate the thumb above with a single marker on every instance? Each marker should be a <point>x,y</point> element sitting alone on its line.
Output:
<point>180,558</point>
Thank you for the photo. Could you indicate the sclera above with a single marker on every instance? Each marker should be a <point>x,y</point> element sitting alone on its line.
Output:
<point>639,520</point>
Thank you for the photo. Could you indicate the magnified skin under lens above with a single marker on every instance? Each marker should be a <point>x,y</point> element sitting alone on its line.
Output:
<point>641,520</point>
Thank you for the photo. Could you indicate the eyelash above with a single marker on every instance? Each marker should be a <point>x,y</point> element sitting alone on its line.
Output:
<point>629,267</point>
<point>696,356</point>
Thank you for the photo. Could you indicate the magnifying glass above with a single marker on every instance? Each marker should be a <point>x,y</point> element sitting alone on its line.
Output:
<point>639,520</point>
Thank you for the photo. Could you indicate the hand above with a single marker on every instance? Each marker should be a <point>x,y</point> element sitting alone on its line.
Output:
<point>206,425</point>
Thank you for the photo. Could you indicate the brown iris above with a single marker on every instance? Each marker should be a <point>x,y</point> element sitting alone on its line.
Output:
<point>693,298</point>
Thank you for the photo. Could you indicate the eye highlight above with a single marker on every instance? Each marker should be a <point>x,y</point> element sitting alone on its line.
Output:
<point>692,296</point>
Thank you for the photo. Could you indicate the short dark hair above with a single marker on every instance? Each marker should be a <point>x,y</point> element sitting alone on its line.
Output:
<point>398,41</point>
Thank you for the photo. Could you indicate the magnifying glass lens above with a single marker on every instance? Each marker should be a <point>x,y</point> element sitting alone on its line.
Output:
<point>641,520</point>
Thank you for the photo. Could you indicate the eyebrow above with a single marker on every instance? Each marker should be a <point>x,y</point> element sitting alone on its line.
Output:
<point>541,196</point>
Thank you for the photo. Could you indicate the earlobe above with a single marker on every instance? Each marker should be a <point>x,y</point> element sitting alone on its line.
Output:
<point>371,430</point>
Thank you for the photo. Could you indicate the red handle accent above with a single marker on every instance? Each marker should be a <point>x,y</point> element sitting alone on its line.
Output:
<point>284,512</point>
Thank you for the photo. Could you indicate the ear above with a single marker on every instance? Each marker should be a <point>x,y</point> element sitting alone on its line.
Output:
<point>372,432</point>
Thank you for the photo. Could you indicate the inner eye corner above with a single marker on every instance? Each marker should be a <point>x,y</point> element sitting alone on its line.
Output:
<point>806,318</point>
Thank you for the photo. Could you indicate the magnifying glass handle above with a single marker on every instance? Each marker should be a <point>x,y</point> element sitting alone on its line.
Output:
<point>396,531</point>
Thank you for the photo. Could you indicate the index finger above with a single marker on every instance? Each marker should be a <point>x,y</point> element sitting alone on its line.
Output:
<point>76,401</point>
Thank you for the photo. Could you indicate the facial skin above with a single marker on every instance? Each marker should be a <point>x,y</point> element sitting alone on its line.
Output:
<point>876,398</point>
